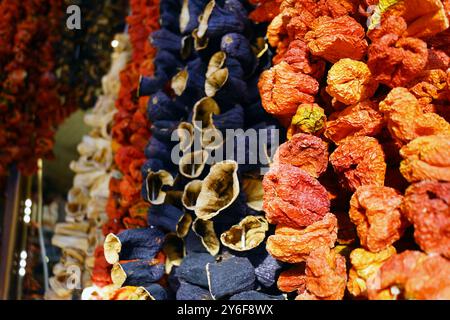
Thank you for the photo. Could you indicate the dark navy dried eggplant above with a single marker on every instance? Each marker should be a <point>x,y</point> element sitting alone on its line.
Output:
<point>237,8</point>
<point>166,216</point>
<point>226,89</point>
<point>187,291</point>
<point>149,85</point>
<point>255,114</point>
<point>163,129</point>
<point>166,62</point>
<point>163,39</point>
<point>230,276</point>
<point>216,21</point>
<point>253,95</point>
<point>154,186</point>
<point>267,268</point>
<point>157,149</point>
<point>172,279</point>
<point>205,47</point>
<point>169,11</point>
<point>193,269</point>
<point>190,11</point>
<point>231,119</point>
<point>237,46</point>
<point>162,107</point>
<point>193,243</point>
<point>137,273</point>
<point>231,215</point>
<point>256,295</point>
<point>188,84</point>
<point>234,68</point>
<point>254,149</point>
<point>152,164</point>
<point>133,244</point>
<point>155,292</point>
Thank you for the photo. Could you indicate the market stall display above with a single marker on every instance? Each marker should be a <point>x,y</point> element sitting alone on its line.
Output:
<point>239,149</point>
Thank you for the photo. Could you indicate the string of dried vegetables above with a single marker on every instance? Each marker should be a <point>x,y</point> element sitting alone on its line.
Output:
<point>130,132</point>
<point>31,106</point>
<point>210,211</point>
<point>381,121</point>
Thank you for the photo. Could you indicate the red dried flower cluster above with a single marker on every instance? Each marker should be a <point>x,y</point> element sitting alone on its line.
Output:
<point>383,115</point>
<point>31,106</point>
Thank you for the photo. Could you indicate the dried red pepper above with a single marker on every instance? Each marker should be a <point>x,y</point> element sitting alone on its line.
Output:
<point>350,81</point>
<point>406,120</point>
<point>292,197</point>
<point>375,211</point>
<point>427,206</point>
<point>282,89</point>
<point>335,39</point>
<point>362,119</point>
<point>365,264</point>
<point>396,61</point>
<point>426,158</point>
<point>326,275</point>
<point>359,161</point>
<point>412,275</point>
<point>304,151</point>
<point>293,245</point>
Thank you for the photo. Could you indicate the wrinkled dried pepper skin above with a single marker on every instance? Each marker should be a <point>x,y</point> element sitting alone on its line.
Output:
<point>350,81</point>
<point>375,210</point>
<point>365,264</point>
<point>304,151</point>
<point>293,245</point>
<point>396,61</point>
<point>326,274</point>
<point>426,158</point>
<point>424,18</point>
<point>432,86</point>
<point>362,119</point>
<point>427,206</point>
<point>309,118</point>
<point>282,89</point>
<point>359,161</point>
<point>292,197</point>
<point>293,279</point>
<point>412,275</point>
<point>335,39</point>
<point>299,57</point>
<point>406,120</point>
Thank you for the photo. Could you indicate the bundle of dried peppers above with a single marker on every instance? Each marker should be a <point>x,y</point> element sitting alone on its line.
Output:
<point>31,104</point>
<point>364,175</point>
